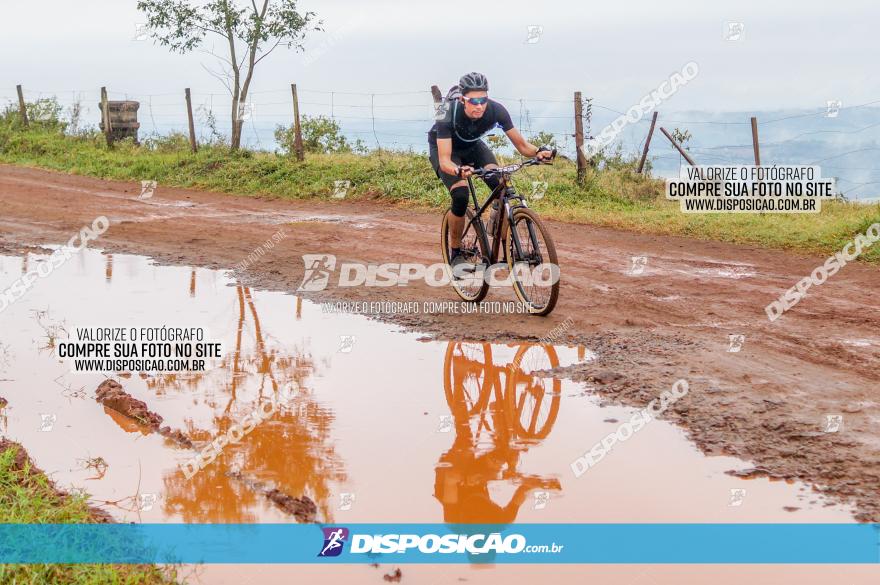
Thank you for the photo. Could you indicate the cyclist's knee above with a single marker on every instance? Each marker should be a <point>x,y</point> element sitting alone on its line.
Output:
<point>460,195</point>
<point>492,181</point>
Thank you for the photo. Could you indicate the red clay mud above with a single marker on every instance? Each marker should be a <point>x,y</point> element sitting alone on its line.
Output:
<point>765,403</point>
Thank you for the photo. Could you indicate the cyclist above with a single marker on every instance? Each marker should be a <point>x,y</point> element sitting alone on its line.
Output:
<point>456,148</point>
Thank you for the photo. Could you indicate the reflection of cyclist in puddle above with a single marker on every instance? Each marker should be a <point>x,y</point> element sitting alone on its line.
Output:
<point>493,423</point>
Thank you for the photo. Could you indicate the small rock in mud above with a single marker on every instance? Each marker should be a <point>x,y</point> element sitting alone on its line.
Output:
<point>111,395</point>
<point>605,377</point>
<point>790,508</point>
<point>752,473</point>
<point>176,436</point>
<point>393,577</point>
<point>302,508</point>
<point>3,402</point>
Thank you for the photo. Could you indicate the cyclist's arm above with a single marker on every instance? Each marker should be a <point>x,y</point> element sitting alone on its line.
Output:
<point>444,155</point>
<point>523,146</point>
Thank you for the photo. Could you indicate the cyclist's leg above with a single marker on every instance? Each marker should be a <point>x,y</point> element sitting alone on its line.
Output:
<point>460,194</point>
<point>485,158</point>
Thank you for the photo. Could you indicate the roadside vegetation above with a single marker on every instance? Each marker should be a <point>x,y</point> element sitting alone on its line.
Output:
<point>28,497</point>
<point>613,195</point>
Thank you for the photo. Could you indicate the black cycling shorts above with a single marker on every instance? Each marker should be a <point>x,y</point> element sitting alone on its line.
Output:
<point>478,155</point>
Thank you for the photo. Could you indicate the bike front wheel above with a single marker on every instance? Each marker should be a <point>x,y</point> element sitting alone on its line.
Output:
<point>534,269</point>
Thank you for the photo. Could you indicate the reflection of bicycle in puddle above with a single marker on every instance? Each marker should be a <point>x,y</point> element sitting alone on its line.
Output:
<point>499,411</point>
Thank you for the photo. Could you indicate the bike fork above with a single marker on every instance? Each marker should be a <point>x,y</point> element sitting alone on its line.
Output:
<point>533,237</point>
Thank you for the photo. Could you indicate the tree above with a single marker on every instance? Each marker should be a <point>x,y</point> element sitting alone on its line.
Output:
<point>249,34</point>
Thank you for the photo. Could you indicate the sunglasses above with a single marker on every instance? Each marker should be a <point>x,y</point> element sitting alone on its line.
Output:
<point>477,101</point>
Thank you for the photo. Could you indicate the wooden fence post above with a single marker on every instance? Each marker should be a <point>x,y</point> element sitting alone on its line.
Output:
<point>192,126</point>
<point>105,116</point>
<point>647,143</point>
<point>22,109</point>
<point>579,137</point>
<point>681,151</point>
<point>297,127</point>
<point>755,141</point>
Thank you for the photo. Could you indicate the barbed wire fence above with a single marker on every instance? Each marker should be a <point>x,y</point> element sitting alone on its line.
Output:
<point>401,120</point>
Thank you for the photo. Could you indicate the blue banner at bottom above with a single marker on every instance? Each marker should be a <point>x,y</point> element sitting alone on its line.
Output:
<point>442,543</point>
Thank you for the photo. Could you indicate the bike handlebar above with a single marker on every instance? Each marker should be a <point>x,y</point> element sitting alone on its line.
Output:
<point>510,169</point>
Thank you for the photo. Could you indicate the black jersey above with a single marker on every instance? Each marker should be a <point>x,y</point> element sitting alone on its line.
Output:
<point>464,131</point>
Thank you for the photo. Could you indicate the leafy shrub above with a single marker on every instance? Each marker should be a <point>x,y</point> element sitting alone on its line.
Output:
<point>172,142</point>
<point>44,113</point>
<point>543,138</point>
<point>320,134</point>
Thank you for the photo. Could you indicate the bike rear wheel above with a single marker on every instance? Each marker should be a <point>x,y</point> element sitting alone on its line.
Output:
<point>473,287</point>
<point>534,271</point>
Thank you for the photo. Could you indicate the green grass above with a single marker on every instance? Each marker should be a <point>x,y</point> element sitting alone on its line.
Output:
<point>27,497</point>
<point>615,198</point>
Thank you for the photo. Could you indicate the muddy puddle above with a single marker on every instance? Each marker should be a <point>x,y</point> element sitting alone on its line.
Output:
<point>372,424</point>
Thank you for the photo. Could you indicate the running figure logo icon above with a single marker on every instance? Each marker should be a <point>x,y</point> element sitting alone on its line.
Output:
<point>334,541</point>
<point>317,271</point>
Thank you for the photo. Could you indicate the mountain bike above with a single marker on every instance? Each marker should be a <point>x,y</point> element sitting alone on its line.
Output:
<point>500,411</point>
<point>528,404</point>
<point>515,230</point>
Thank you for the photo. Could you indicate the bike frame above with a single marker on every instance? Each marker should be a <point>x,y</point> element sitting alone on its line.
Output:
<point>505,218</point>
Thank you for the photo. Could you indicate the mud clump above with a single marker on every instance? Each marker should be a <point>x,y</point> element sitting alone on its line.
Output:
<point>393,577</point>
<point>3,402</point>
<point>302,508</point>
<point>605,377</point>
<point>111,394</point>
<point>176,436</point>
<point>21,461</point>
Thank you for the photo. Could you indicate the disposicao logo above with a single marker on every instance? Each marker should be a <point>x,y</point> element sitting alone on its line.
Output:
<point>334,541</point>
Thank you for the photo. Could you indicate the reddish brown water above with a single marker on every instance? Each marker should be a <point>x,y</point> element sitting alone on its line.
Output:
<point>376,425</point>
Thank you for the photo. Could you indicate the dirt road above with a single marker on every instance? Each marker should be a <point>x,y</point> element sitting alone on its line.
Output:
<point>669,318</point>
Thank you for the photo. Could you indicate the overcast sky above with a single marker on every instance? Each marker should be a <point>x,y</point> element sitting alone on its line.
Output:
<point>792,54</point>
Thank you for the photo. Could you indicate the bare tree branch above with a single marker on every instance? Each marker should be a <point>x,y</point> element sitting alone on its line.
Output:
<point>266,54</point>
